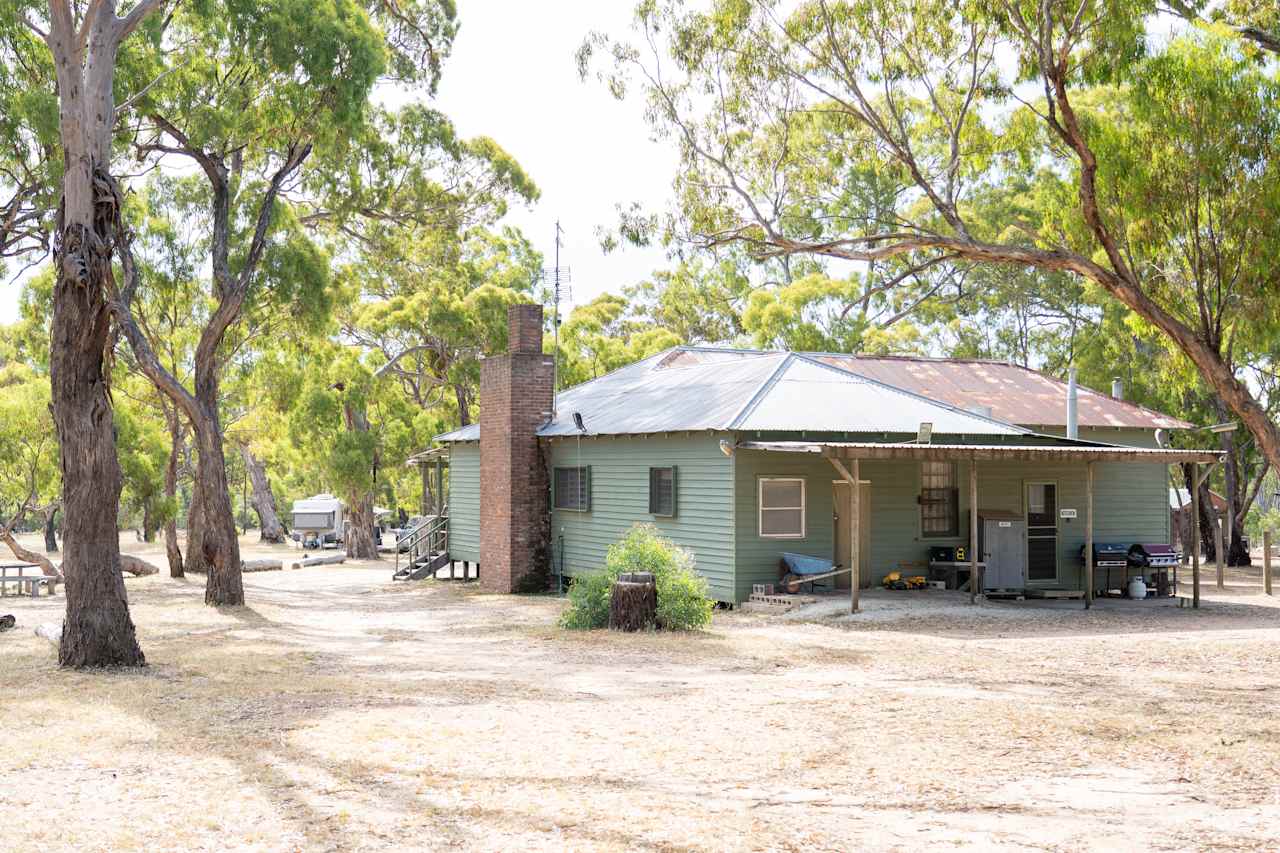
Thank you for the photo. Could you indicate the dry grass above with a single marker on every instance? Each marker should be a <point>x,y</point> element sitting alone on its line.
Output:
<point>338,711</point>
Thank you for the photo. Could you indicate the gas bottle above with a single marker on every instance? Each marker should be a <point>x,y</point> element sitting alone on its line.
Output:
<point>1137,588</point>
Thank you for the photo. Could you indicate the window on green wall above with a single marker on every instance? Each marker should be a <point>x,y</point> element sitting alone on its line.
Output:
<point>571,489</point>
<point>939,500</point>
<point>781,507</point>
<point>662,491</point>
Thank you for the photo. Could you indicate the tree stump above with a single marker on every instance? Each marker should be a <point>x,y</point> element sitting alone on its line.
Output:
<point>633,602</point>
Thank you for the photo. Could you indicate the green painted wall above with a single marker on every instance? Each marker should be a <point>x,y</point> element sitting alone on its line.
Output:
<point>717,502</point>
<point>464,502</point>
<point>1130,505</point>
<point>1127,436</point>
<point>620,497</point>
<point>756,558</point>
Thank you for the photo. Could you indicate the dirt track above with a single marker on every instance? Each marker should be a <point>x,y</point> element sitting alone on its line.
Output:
<point>337,711</point>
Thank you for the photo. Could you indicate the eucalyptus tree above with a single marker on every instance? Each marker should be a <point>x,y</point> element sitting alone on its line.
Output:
<point>429,305</point>
<point>254,90</point>
<point>920,92</point>
<point>84,40</point>
<point>602,336</point>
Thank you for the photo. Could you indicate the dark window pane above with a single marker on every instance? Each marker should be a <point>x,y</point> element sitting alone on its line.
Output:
<point>662,491</point>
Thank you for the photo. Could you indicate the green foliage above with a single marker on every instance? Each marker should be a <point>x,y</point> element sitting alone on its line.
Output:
<point>683,604</point>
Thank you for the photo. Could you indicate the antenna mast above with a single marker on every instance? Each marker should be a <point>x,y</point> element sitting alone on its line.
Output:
<point>559,277</point>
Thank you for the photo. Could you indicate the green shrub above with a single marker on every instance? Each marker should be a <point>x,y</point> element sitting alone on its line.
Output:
<point>683,604</point>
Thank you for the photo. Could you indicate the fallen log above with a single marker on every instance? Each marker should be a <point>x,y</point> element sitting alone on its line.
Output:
<point>47,568</point>
<point>137,566</point>
<point>318,561</point>
<point>261,565</point>
<point>633,602</point>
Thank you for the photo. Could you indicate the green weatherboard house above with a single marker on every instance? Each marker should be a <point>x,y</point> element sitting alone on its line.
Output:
<point>742,455</point>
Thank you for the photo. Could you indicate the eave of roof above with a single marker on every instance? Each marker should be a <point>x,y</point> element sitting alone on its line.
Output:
<point>1070,451</point>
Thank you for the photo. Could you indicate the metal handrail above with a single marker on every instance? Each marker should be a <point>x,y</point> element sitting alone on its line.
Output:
<point>433,531</point>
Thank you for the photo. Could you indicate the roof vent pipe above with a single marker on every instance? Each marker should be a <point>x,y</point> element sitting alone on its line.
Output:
<point>1073,428</point>
<point>1117,388</point>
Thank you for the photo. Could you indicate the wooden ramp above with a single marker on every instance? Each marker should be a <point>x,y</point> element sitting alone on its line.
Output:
<point>1055,593</point>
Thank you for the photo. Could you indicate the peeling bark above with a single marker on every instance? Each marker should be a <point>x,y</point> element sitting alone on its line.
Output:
<point>98,630</point>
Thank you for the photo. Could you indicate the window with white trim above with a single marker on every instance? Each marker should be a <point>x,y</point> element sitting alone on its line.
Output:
<point>782,507</point>
<point>571,489</point>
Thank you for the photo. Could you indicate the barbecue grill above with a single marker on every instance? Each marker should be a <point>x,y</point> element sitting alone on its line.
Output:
<point>1109,557</point>
<point>1157,559</point>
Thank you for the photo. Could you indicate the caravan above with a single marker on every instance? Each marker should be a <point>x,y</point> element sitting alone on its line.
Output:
<point>318,521</point>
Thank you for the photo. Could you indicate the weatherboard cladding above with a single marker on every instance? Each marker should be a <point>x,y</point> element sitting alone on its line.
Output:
<point>620,498</point>
<point>464,502</point>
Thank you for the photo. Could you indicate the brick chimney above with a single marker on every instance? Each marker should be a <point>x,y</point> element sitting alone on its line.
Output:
<point>515,399</point>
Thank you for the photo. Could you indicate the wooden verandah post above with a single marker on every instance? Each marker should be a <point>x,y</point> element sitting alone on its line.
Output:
<point>975,579</point>
<point>1195,535</point>
<point>855,529</point>
<point>1088,535</point>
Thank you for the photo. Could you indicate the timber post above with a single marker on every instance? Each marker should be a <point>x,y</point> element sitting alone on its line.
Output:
<point>975,581</point>
<point>1088,536</point>
<point>1195,535</point>
<point>855,542</point>
<point>1266,562</point>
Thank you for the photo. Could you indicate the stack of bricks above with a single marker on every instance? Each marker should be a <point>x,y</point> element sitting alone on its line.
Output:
<point>515,399</point>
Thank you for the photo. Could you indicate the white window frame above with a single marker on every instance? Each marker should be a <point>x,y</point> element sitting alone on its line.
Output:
<point>761,509</point>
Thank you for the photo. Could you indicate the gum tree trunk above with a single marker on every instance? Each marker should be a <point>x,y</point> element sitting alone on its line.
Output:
<point>219,541</point>
<point>195,530</point>
<point>98,630</point>
<point>360,544</point>
<point>264,502</point>
<point>51,530</point>
<point>171,549</point>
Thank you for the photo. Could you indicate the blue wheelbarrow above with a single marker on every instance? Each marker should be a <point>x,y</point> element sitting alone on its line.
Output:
<point>801,570</point>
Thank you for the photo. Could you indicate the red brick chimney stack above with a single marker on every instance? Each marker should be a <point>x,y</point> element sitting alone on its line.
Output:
<point>515,399</point>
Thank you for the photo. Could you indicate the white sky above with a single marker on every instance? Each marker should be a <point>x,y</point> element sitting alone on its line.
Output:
<point>512,76</point>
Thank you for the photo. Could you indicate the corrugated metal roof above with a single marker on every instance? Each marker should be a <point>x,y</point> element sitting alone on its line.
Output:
<point>747,391</point>
<point>806,394</point>
<point>1015,394</point>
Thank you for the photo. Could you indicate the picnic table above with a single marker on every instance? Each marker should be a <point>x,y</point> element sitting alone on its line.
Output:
<point>26,582</point>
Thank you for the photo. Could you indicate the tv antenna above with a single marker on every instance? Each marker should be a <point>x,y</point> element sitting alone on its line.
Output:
<point>558,276</point>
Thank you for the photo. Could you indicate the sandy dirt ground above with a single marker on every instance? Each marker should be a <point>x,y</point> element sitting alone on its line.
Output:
<point>339,711</point>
